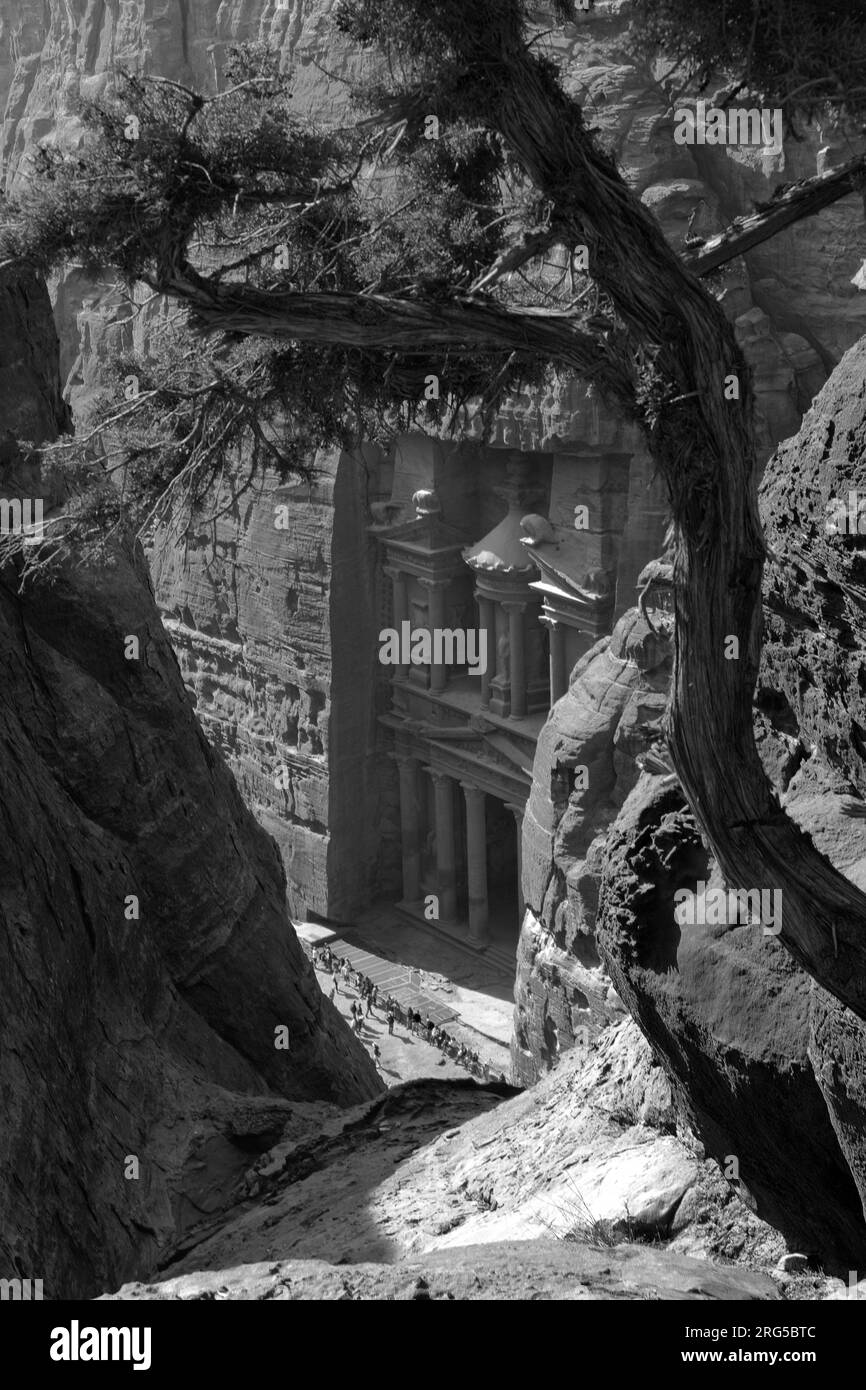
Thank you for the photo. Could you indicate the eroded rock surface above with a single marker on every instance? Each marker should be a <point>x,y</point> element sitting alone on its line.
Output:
<point>728,1011</point>
<point>148,957</point>
<point>584,768</point>
<point>813,680</point>
<point>594,1153</point>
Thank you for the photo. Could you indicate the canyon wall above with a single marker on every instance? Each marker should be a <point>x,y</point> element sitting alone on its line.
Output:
<point>149,960</point>
<point>275,629</point>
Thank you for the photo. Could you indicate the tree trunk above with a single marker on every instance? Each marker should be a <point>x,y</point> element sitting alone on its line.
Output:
<point>705,449</point>
<point>684,350</point>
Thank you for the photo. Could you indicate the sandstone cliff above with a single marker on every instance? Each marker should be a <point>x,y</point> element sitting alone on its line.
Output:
<point>148,954</point>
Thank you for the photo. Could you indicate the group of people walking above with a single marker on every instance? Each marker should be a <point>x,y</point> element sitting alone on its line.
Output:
<point>340,969</point>
<point>369,997</point>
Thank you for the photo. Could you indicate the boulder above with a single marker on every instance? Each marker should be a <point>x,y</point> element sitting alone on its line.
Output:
<point>728,1012</point>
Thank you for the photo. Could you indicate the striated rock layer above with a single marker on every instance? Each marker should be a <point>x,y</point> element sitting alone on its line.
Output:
<point>148,958</point>
<point>275,630</point>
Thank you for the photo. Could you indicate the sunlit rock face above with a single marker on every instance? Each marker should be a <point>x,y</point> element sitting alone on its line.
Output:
<point>584,768</point>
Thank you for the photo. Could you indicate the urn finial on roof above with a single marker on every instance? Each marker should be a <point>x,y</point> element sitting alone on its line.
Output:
<point>501,550</point>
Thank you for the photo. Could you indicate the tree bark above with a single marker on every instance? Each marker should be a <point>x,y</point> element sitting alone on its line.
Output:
<point>472,323</point>
<point>804,199</point>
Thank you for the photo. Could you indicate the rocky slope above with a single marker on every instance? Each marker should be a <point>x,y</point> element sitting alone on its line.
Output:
<point>545,1270</point>
<point>148,955</point>
<point>587,1174</point>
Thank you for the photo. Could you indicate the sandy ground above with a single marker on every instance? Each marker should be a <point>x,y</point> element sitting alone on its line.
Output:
<point>478,991</point>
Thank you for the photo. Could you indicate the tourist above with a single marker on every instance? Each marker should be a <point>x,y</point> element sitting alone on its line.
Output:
<point>391,1021</point>
<point>428,1024</point>
<point>369,1002</point>
<point>377,1054</point>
